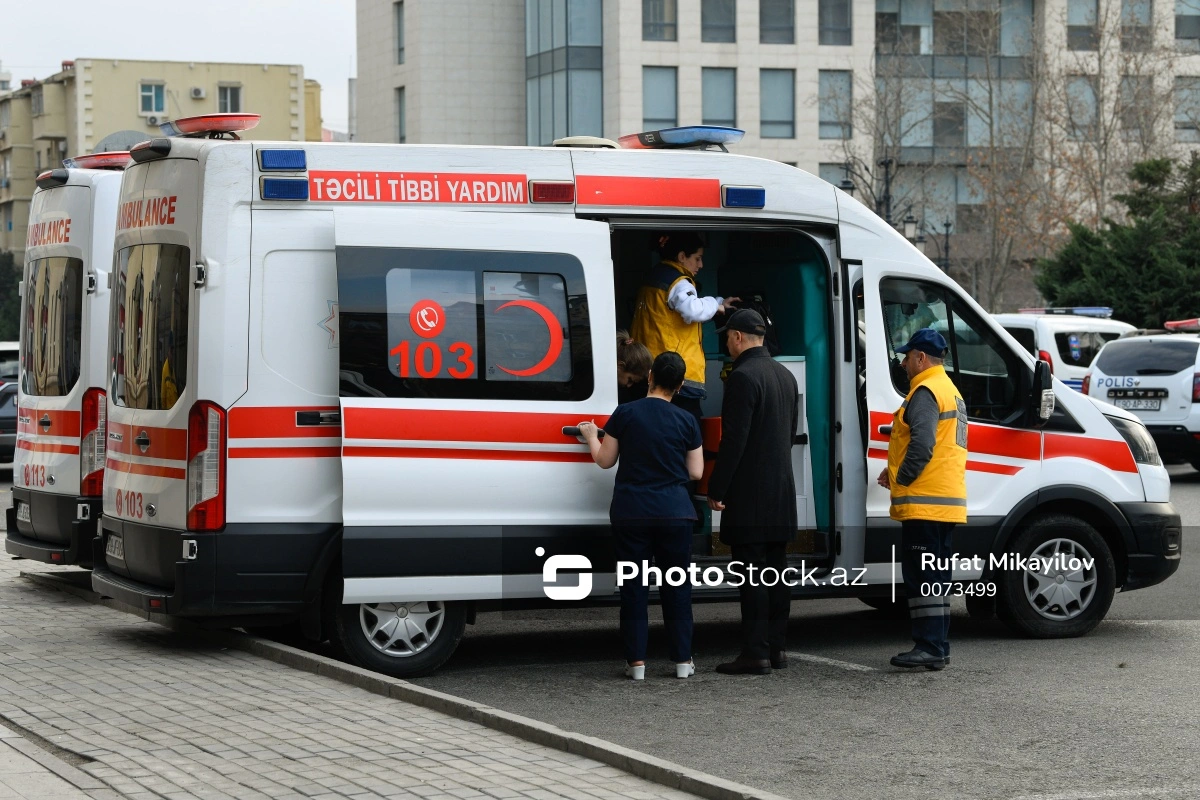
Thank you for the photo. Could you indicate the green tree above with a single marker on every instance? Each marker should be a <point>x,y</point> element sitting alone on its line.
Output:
<point>1146,268</point>
<point>10,301</point>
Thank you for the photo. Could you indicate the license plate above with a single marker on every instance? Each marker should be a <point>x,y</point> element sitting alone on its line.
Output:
<point>23,512</point>
<point>115,546</point>
<point>1139,404</point>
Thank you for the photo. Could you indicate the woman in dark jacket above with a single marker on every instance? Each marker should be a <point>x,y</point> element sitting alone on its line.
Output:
<point>659,448</point>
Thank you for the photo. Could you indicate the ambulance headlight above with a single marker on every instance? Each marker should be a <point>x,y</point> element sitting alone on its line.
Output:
<point>1140,442</point>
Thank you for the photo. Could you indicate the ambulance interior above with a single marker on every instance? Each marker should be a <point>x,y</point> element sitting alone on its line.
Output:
<point>787,272</point>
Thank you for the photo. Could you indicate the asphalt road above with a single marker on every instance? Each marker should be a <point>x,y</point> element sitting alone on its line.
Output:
<point>1111,715</point>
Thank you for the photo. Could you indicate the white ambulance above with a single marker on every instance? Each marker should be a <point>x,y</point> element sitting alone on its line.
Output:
<point>345,379</point>
<point>58,469</point>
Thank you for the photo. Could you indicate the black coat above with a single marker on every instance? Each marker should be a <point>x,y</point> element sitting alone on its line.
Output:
<point>753,475</point>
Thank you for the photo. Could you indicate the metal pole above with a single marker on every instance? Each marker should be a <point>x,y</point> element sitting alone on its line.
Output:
<point>946,252</point>
<point>887,190</point>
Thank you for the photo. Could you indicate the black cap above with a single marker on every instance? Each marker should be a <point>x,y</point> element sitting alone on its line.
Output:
<point>746,320</point>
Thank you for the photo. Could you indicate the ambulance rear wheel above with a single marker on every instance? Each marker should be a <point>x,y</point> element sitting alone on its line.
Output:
<point>1071,593</point>
<point>401,639</point>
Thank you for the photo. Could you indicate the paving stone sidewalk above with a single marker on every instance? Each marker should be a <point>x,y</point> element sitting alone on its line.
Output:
<point>22,778</point>
<point>152,713</point>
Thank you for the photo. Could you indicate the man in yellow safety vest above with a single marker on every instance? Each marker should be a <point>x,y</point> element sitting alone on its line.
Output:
<point>927,477</point>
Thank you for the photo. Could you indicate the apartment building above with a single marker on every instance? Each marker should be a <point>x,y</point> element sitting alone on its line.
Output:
<point>110,104</point>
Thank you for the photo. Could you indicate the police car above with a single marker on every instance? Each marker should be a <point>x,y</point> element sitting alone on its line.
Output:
<point>1156,375</point>
<point>1065,338</point>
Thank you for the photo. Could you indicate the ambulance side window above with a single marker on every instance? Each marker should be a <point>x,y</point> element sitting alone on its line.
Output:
<point>463,324</point>
<point>985,370</point>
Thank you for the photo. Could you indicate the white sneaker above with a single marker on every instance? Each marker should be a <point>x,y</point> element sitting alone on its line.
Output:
<point>637,673</point>
<point>685,670</point>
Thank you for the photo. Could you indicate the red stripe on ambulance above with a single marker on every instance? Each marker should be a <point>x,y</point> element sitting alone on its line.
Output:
<point>606,190</point>
<point>47,447</point>
<point>417,187</point>
<point>1111,453</point>
<point>152,470</point>
<point>472,455</point>
<point>62,422</point>
<point>277,422</point>
<point>165,443</point>
<point>458,426</point>
<point>285,452</point>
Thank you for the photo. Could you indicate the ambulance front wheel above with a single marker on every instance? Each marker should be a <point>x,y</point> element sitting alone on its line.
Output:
<point>401,639</point>
<point>1061,579</point>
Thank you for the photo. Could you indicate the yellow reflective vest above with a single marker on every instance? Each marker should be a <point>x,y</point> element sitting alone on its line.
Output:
<point>939,493</point>
<point>662,329</point>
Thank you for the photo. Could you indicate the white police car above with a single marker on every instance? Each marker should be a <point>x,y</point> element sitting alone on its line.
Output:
<point>1156,375</point>
<point>1066,338</point>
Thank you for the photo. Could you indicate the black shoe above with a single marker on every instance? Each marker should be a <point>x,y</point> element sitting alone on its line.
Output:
<point>918,658</point>
<point>779,659</point>
<point>745,666</point>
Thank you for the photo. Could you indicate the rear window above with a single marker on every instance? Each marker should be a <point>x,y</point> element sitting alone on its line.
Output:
<point>1133,357</point>
<point>148,339</point>
<point>1025,336</point>
<point>53,327</point>
<point>1080,347</point>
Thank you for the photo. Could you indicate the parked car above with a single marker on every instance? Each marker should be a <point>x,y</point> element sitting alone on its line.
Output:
<point>1156,375</point>
<point>1066,338</point>
<point>8,424</point>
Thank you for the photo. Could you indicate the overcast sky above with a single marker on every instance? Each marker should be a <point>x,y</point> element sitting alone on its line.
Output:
<point>36,36</point>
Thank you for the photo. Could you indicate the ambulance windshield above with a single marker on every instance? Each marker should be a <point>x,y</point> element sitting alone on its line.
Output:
<point>53,326</point>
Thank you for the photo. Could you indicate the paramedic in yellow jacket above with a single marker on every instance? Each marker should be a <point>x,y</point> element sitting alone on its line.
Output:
<point>669,311</point>
<point>927,477</point>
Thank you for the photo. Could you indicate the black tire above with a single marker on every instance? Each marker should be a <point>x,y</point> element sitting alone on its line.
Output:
<point>432,645</point>
<point>888,609</point>
<point>978,607</point>
<point>1040,616</point>
<point>1195,464</point>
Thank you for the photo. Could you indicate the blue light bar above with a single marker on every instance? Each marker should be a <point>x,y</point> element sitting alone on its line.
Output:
<point>743,196</point>
<point>282,160</point>
<point>690,136</point>
<point>284,188</point>
<point>1082,311</point>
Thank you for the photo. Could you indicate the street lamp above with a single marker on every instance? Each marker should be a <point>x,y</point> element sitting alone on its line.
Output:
<point>946,249</point>
<point>886,200</point>
<point>910,226</point>
<point>847,185</point>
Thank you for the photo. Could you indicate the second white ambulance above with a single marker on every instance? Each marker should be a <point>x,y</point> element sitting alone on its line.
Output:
<point>343,380</point>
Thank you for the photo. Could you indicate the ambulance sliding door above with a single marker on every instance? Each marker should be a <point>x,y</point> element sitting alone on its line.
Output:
<point>469,341</point>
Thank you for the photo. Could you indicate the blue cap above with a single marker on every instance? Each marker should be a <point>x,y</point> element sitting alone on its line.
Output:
<point>928,341</point>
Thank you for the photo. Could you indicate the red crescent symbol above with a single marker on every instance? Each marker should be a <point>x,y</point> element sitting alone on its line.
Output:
<point>556,338</point>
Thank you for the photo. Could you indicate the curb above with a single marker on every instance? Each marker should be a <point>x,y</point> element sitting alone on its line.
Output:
<point>657,770</point>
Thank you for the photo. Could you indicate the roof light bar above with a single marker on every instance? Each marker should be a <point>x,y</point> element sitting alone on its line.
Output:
<point>282,160</point>
<point>284,188</point>
<point>743,196</point>
<point>210,125</point>
<point>1183,325</point>
<point>551,192</point>
<point>1080,311</point>
<point>697,136</point>
<point>52,178</point>
<point>116,159</point>
<point>150,150</point>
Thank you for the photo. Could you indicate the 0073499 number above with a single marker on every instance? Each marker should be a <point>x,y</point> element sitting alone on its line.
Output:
<point>951,589</point>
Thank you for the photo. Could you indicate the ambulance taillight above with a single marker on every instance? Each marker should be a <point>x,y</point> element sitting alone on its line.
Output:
<point>92,445</point>
<point>206,467</point>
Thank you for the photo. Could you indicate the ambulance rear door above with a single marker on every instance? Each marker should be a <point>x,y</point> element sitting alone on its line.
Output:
<point>469,341</point>
<point>150,349</point>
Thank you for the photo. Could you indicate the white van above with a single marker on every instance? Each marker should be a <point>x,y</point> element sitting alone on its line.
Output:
<point>1068,339</point>
<point>345,379</point>
<point>58,471</point>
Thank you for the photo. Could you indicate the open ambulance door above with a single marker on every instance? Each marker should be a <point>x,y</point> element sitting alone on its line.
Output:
<point>470,340</point>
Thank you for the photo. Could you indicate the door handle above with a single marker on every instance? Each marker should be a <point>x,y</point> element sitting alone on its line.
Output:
<point>886,430</point>
<point>573,430</point>
<point>143,441</point>
<point>45,422</point>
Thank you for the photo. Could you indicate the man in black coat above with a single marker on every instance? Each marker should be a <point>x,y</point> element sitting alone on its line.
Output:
<point>753,487</point>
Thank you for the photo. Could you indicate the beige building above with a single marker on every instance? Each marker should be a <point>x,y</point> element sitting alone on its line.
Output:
<point>530,71</point>
<point>73,111</point>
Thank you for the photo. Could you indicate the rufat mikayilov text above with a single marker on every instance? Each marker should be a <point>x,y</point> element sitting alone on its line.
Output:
<point>1058,562</point>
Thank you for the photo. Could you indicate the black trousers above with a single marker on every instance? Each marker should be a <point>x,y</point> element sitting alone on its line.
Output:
<point>765,609</point>
<point>928,608</point>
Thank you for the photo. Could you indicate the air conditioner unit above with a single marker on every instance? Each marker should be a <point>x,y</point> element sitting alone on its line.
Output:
<point>198,92</point>
<point>152,121</point>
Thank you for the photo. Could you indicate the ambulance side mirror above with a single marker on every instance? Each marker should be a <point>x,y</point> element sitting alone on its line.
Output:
<point>1041,399</point>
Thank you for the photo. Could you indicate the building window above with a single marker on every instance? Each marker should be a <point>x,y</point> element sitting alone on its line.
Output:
<point>399,11</point>
<point>1081,24</point>
<point>36,102</point>
<point>401,121</point>
<point>718,21</point>
<point>832,173</point>
<point>1187,25</point>
<point>966,33</point>
<point>658,98</point>
<point>1135,25</point>
<point>1135,90</point>
<point>833,21</point>
<point>719,96</point>
<point>153,96</point>
<point>1187,109</point>
<point>229,99</point>
<point>949,124</point>
<point>777,21</point>
<point>904,27</point>
<point>3,86</point>
<point>563,69</point>
<point>659,21</point>
<point>777,101</point>
<point>1081,107</point>
<point>834,98</point>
